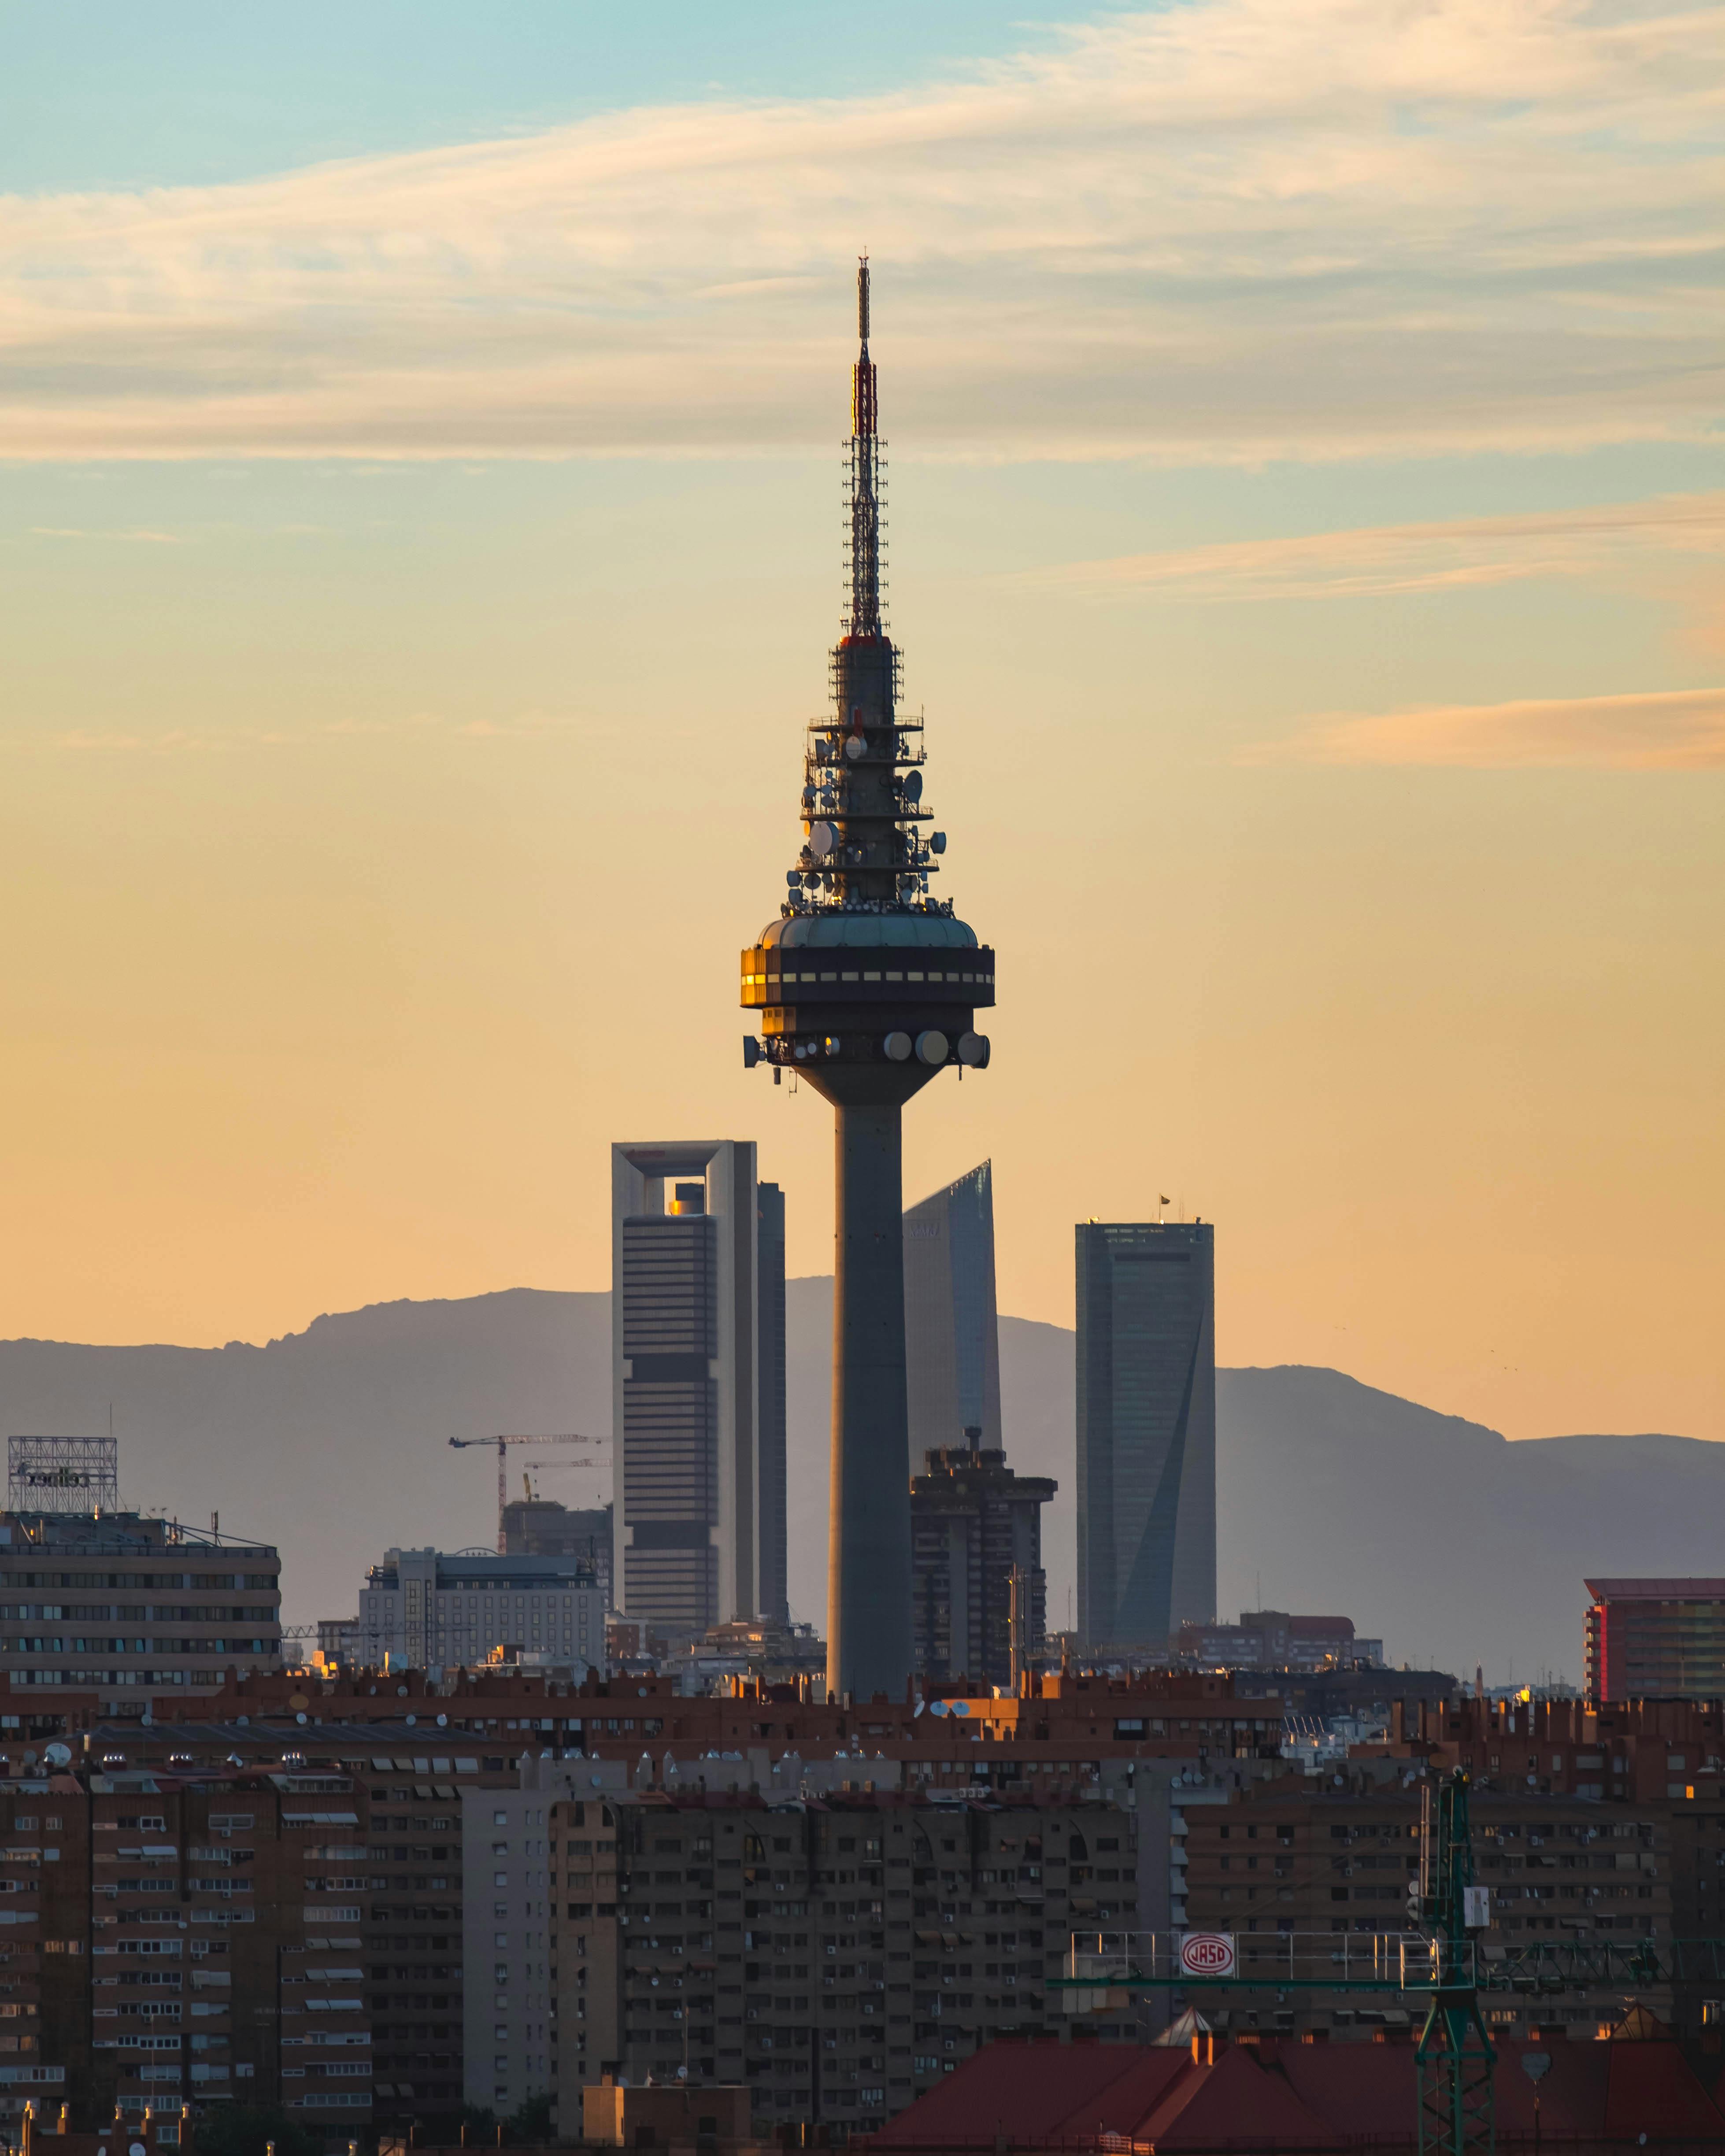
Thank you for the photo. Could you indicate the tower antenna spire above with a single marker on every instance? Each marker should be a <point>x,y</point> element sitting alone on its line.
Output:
<point>863,477</point>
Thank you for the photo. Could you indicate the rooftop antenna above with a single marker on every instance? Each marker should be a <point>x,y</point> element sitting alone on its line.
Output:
<point>864,476</point>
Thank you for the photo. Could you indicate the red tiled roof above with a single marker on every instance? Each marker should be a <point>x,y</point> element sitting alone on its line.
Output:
<point>1235,2104</point>
<point>1281,2095</point>
<point>1369,2085</point>
<point>1024,2090</point>
<point>1653,2092</point>
<point>1131,2097</point>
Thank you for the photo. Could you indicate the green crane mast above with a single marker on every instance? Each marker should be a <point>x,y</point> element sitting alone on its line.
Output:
<point>1454,2059</point>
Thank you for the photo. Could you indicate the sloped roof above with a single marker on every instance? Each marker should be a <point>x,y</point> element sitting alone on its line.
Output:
<point>1282,2095</point>
<point>1024,2090</point>
<point>1366,2089</point>
<point>1235,2104</point>
<point>1653,2092</point>
<point>1127,2100</point>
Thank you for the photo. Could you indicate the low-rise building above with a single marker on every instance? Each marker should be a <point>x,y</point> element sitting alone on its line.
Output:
<point>1276,1640</point>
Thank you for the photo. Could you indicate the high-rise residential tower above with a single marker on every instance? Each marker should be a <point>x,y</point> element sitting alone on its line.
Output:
<point>867,987</point>
<point>981,1593</point>
<point>1146,1432</point>
<point>951,1323</point>
<point>697,1359</point>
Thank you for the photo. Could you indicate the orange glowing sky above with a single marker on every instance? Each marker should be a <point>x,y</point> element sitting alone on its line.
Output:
<point>1308,506</point>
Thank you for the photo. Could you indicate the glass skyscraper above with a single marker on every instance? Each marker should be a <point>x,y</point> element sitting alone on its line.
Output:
<point>951,1328</point>
<point>1146,1432</point>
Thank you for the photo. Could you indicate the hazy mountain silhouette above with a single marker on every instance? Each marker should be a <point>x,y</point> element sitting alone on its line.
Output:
<point>1454,1545</point>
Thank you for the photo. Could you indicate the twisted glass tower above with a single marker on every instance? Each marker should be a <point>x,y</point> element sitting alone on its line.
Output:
<point>869,987</point>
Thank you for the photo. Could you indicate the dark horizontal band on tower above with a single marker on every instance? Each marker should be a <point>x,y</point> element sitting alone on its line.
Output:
<point>867,976</point>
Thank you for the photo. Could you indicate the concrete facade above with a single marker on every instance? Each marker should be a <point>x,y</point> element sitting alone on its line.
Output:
<point>1274,1639</point>
<point>1655,1639</point>
<point>835,1957</point>
<point>141,1610</point>
<point>976,1555</point>
<point>1146,1432</point>
<point>439,1610</point>
<point>698,1498</point>
<point>539,1527</point>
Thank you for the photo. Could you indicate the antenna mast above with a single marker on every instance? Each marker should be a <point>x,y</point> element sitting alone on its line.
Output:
<point>864,477</point>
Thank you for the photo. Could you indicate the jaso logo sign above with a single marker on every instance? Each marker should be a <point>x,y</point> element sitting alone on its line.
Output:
<point>1207,1953</point>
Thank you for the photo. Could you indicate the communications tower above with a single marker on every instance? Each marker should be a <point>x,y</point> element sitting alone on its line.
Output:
<point>867,987</point>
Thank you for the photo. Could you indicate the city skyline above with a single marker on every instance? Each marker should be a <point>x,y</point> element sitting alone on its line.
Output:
<point>1374,737</point>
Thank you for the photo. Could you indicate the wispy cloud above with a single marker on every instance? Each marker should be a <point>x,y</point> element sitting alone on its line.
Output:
<point>1664,730</point>
<point>526,726</point>
<point>1386,559</point>
<point>71,531</point>
<point>1230,229</point>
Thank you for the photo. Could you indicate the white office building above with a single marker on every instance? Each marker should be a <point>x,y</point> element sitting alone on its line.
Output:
<point>429,1609</point>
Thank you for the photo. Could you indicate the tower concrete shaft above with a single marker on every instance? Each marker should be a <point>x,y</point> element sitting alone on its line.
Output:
<point>867,988</point>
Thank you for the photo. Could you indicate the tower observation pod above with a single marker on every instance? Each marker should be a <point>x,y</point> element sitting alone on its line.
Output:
<point>869,987</point>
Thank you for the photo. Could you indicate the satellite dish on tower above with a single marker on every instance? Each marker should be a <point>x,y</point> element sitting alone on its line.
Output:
<point>821,840</point>
<point>913,785</point>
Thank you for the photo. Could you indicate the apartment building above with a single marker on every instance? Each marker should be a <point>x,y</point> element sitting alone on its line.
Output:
<point>1302,1877</point>
<point>1661,1639</point>
<point>1055,1733</point>
<point>1644,1751</point>
<point>509,1951</point>
<point>402,1866</point>
<point>1277,1640</point>
<point>172,1940</point>
<point>979,1594</point>
<point>836,1956</point>
<point>140,1612</point>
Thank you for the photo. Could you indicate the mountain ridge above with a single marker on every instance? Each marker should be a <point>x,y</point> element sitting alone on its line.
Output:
<point>1450,1541</point>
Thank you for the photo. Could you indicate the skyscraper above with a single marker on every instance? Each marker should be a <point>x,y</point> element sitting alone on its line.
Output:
<point>1146,1432</point>
<point>867,987</point>
<point>698,1495</point>
<point>774,1598</point>
<point>952,1325</point>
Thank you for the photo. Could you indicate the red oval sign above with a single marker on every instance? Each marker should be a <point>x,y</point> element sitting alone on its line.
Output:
<point>1207,1953</point>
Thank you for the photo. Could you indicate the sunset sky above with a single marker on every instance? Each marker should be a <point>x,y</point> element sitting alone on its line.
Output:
<point>419,547</point>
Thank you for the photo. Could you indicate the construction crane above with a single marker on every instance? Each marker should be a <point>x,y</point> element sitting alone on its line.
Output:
<point>503,1444</point>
